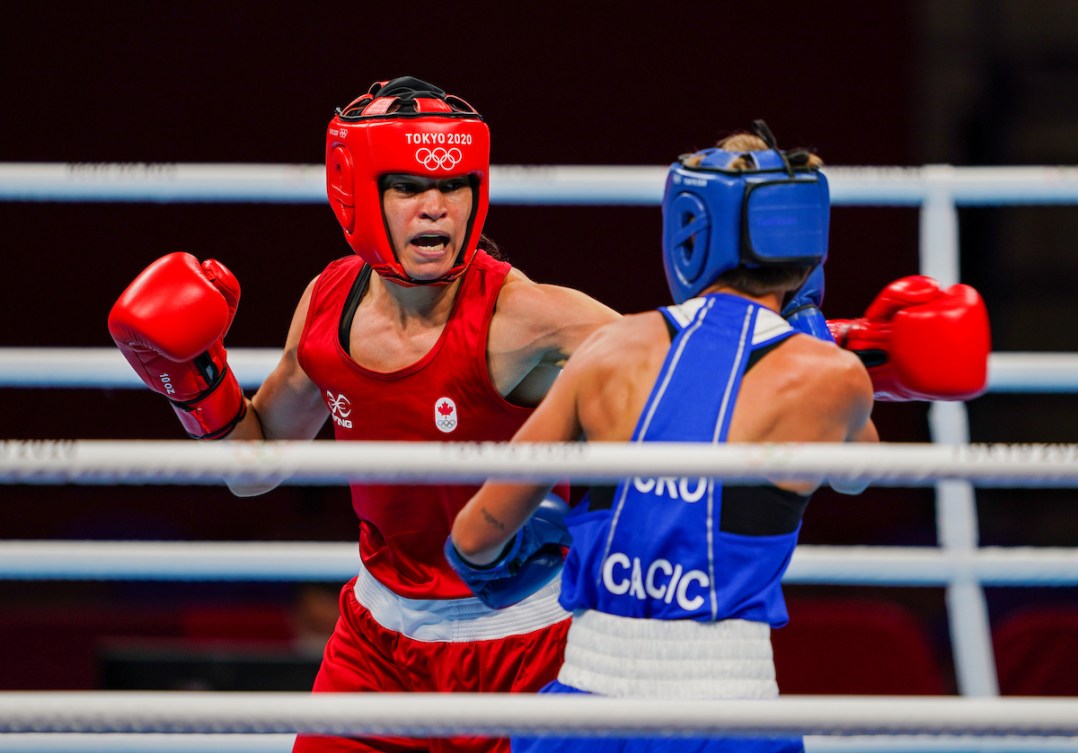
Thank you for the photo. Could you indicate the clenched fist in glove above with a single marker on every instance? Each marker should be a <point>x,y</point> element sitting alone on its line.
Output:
<point>170,324</point>
<point>531,559</point>
<point>920,341</point>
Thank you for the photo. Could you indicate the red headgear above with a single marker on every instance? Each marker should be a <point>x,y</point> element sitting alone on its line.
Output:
<point>403,126</point>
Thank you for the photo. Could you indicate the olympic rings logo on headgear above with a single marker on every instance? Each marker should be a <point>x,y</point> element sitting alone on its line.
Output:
<point>438,158</point>
<point>403,126</point>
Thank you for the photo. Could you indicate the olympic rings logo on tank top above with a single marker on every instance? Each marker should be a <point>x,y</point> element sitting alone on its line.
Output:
<point>438,158</point>
<point>445,414</point>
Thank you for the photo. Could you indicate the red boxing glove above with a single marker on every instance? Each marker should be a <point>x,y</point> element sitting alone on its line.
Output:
<point>169,324</point>
<point>921,342</point>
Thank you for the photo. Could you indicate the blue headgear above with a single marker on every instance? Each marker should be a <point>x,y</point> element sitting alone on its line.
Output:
<point>716,219</point>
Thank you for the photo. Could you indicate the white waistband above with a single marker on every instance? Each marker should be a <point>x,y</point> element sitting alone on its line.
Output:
<point>681,659</point>
<point>457,620</point>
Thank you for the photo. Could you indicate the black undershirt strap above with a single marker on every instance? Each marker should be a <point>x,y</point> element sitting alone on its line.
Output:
<point>351,303</point>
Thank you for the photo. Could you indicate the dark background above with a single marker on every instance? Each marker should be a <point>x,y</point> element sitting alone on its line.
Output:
<point>887,83</point>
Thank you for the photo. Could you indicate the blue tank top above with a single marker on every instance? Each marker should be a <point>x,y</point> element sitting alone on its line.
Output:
<point>690,548</point>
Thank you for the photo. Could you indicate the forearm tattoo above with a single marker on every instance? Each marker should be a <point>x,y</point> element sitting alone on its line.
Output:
<point>492,520</point>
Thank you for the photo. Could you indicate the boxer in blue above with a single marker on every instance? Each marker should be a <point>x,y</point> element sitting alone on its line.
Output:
<point>675,583</point>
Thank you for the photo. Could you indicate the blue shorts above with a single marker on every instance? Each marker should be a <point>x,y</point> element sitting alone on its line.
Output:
<point>651,745</point>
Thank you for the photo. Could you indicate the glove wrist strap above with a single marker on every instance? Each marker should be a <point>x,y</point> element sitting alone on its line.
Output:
<point>216,412</point>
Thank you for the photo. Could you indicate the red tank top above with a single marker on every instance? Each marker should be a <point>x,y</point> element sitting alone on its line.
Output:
<point>446,396</point>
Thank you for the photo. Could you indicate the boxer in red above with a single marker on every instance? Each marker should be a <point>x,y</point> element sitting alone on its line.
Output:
<point>422,334</point>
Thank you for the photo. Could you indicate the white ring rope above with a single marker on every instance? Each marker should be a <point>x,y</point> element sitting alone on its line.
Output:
<point>516,184</point>
<point>336,561</point>
<point>88,368</point>
<point>503,714</point>
<point>45,742</point>
<point>330,462</point>
<point>937,189</point>
<point>51,742</point>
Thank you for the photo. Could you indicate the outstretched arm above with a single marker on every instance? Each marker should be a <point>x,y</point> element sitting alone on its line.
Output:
<point>535,330</point>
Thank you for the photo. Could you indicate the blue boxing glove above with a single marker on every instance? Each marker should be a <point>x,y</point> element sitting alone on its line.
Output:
<point>531,559</point>
<point>802,311</point>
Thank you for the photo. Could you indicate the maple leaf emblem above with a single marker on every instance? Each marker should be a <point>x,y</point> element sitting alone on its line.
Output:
<point>445,414</point>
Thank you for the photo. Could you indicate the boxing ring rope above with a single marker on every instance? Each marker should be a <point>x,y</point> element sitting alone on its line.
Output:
<point>959,563</point>
<point>504,714</point>
<point>336,562</point>
<point>105,368</point>
<point>517,184</point>
<point>44,742</point>
<point>331,462</point>
<point>120,721</point>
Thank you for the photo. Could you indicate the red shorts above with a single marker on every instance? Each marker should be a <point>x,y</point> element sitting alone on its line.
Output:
<point>363,655</point>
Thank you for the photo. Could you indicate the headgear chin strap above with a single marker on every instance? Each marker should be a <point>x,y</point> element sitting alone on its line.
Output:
<point>403,126</point>
<point>715,219</point>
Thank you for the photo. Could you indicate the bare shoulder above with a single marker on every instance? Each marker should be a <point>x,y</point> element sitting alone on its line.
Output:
<point>299,318</point>
<point>521,296</point>
<point>805,390</point>
<point>634,332</point>
<point>305,299</point>
<point>625,339</point>
<point>629,350</point>
<point>546,317</point>
<point>821,363</point>
<point>827,381</point>
<point>613,372</point>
